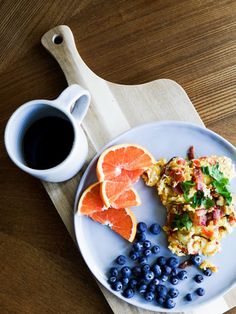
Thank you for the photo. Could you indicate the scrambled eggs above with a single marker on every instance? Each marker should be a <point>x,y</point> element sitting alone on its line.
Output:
<point>200,207</point>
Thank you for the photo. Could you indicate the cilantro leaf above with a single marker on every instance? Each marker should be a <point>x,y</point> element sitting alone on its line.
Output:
<point>213,171</point>
<point>220,183</point>
<point>208,203</point>
<point>186,186</point>
<point>222,189</point>
<point>197,199</point>
<point>182,221</point>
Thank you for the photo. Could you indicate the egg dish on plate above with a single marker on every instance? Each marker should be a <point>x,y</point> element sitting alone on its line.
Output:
<point>200,206</point>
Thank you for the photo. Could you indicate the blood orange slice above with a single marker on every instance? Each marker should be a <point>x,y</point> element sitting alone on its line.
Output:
<point>124,157</point>
<point>127,199</point>
<point>91,202</point>
<point>119,167</point>
<point>120,220</point>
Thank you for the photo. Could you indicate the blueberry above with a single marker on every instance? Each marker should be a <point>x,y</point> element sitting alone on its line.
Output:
<point>134,255</point>
<point>166,270</point>
<point>169,304</point>
<point>137,247</point>
<point>112,279</point>
<point>189,297</point>
<point>151,287</point>
<point>163,278</point>
<point>173,293</point>
<point>125,271</point>
<point>200,292</point>
<point>146,268</point>
<point>149,296</point>
<point>142,260</point>
<point>161,261</point>
<point>117,286</point>
<point>196,259</point>
<point>124,281</point>
<point>113,271</point>
<point>155,281</point>
<point>173,262</point>
<point>174,272</point>
<point>136,271</point>
<point>161,291</point>
<point>174,280</point>
<point>147,252</point>
<point>121,260</point>
<point>160,300</point>
<point>133,283</point>
<point>207,272</point>
<point>157,270</point>
<point>128,293</point>
<point>147,244</point>
<point>155,249</point>
<point>182,275</point>
<point>142,287</point>
<point>198,278</point>
<point>148,276</point>
<point>141,236</point>
<point>155,229</point>
<point>141,227</point>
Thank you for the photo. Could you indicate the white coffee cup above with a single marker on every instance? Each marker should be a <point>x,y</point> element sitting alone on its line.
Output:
<point>72,105</point>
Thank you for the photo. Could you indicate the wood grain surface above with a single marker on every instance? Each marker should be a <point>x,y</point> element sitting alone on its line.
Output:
<point>192,42</point>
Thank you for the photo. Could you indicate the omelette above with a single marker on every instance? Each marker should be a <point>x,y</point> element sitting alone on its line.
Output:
<point>200,207</point>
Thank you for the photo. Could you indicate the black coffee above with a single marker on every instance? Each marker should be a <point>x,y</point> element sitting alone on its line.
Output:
<point>47,142</point>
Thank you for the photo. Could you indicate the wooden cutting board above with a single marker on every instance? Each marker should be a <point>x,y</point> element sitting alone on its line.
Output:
<point>114,109</point>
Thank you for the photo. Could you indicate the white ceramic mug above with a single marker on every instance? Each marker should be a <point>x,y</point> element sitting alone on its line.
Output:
<point>72,105</point>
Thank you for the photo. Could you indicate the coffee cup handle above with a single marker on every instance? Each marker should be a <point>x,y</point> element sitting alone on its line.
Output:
<point>75,100</point>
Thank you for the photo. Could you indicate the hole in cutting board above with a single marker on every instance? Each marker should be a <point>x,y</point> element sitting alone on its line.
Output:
<point>57,39</point>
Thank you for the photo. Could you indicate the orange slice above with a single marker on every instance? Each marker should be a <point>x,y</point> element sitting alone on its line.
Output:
<point>120,220</point>
<point>114,160</point>
<point>91,202</point>
<point>119,167</point>
<point>127,199</point>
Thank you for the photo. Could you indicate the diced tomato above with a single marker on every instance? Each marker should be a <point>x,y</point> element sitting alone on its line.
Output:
<point>198,178</point>
<point>181,161</point>
<point>207,233</point>
<point>190,153</point>
<point>196,163</point>
<point>232,220</point>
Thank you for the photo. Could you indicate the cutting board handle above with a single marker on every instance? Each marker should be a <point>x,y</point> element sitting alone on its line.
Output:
<point>59,41</point>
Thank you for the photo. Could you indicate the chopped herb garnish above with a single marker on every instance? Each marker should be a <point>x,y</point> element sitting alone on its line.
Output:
<point>221,188</point>
<point>197,199</point>
<point>219,182</point>
<point>208,203</point>
<point>213,171</point>
<point>186,186</point>
<point>182,221</point>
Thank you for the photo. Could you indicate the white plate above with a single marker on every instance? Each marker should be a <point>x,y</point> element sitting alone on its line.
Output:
<point>100,246</point>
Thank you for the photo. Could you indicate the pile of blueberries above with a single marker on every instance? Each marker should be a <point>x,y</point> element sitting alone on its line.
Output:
<point>148,280</point>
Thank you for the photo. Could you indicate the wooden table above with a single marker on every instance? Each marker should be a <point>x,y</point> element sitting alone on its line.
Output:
<point>192,42</point>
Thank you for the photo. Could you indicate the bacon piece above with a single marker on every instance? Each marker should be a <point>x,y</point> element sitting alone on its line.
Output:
<point>216,214</point>
<point>198,178</point>
<point>176,175</point>
<point>190,153</point>
<point>178,189</point>
<point>200,217</point>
